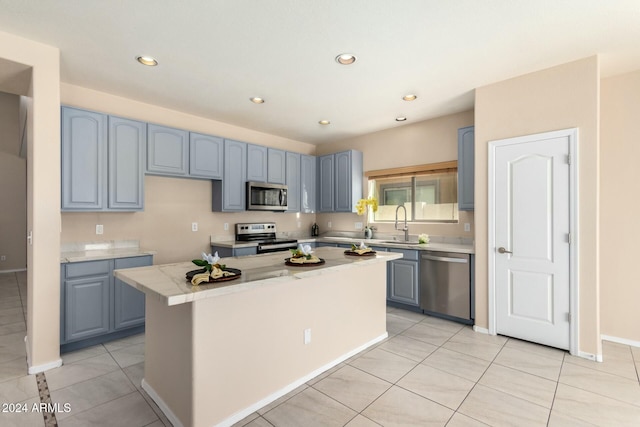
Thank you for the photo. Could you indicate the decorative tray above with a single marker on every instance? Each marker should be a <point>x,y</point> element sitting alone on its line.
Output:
<point>306,264</point>
<point>237,272</point>
<point>353,253</point>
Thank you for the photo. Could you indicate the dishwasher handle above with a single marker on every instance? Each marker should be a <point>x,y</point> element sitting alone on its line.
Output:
<point>444,259</point>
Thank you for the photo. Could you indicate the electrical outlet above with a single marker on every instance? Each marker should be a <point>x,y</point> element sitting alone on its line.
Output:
<point>467,226</point>
<point>3,257</point>
<point>226,226</point>
<point>194,226</point>
<point>358,226</point>
<point>329,224</point>
<point>307,336</point>
<point>99,229</point>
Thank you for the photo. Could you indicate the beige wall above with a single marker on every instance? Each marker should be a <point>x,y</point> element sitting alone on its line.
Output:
<point>619,229</point>
<point>429,141</point>
<point>43,194</point>
<point>13,187</point>
<point>172,204</point>
<point>565,96</point>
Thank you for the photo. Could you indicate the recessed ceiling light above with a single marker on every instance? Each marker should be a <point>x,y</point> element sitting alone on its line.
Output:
<point>147,60</point>
<point>346,58</point>
<point>257,100</point>
<point>410,97</point>
<point>324,122</point>
<point>400,119</point>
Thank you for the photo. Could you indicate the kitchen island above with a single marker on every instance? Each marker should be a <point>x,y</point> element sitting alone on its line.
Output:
<point>216,353</point>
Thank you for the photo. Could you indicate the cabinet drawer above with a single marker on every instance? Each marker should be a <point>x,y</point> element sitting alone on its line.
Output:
<point>89,268</point>
<point>406,253</point>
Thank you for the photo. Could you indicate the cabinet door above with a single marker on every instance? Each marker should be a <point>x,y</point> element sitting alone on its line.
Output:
<point>348,180</point>
<point>127,143</point>
<point>403,282</point>
<point>84,159</point>
<point>256,163</point>
<point>86,307</point>
<point>235,176</point>
<point>466,168</point>
<point>325,183</point>
<point>293,182</point>
<point>308,184</point>
<point>205,156</point>
<point>128,302</point>
<point>277,163</point>
<point>167,151</point>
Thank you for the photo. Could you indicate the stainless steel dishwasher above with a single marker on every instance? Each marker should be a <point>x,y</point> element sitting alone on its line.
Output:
<point>445,285</point>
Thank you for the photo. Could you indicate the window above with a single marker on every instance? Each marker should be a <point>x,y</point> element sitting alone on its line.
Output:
<point>429,194</point>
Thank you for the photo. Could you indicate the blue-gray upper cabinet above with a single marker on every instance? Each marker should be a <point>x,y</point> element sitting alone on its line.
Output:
<point>205,156</point>
<point>466,168</point>
<point>257,163</point>
<point>128,301</point>
<point>308,181</point>
<point>326,179</point>
<point>229,194</point>
<point>84,159</point>
<point>348,181</point>
<point>167,151</point>
<point>276,170</point>
<point>293,182</point>
<point>127,144</point>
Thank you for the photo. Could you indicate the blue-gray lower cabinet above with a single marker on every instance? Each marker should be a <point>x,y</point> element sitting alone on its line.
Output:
<point>128,302</point>
<point>96,307</point>
<point>224,251</point>
<point>403,278</point>
<point>86,305</point>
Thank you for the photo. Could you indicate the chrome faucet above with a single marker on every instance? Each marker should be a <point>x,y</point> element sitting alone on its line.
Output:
<point>405,228</point>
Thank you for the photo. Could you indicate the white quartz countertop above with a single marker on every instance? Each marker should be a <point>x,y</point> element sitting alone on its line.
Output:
<point>78,252</point>
<point>431,246</point>
<point>168,282</point>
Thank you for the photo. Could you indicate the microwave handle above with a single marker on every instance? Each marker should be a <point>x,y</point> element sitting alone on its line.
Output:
<point>281,196</point>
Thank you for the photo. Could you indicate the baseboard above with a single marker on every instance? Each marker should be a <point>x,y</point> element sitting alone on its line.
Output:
<point>17,270</point>
<point>619,340</point>
<point>45,367</point>
<point>272,397</point>
<point>481,330</point>
<point>590,356</point>
<point>161,404</point>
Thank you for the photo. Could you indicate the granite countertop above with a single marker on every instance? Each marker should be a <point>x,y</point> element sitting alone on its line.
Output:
<point>78,252</point>
<point>168,283</point>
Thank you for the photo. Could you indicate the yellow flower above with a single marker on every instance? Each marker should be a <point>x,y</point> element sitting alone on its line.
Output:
<point>361,206</point>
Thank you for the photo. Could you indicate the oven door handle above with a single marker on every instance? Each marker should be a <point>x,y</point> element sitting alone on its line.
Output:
<point>278,246</point>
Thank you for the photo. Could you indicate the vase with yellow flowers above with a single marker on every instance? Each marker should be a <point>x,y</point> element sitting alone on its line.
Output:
<point>362,208</point>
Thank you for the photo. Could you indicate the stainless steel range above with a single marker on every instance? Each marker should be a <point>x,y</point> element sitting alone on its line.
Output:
<point>264,234</point>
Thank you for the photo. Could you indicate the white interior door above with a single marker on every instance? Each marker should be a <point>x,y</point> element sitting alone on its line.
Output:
<point>531,258</point>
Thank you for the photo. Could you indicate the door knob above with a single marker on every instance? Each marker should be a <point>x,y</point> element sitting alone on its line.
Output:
<point>504,251</point>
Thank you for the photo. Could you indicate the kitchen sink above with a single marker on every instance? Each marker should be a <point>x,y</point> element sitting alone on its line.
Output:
<point>400,242</point>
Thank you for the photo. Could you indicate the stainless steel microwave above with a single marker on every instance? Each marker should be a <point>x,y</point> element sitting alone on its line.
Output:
<point>262,196</point>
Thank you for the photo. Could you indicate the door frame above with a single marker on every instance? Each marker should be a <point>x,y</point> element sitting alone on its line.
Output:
<point>574,320</point>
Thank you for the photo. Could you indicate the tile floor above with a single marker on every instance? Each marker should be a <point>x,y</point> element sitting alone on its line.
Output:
<point>429,372</point>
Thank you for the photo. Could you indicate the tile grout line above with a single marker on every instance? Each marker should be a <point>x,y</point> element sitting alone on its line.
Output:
<point>45,400</point>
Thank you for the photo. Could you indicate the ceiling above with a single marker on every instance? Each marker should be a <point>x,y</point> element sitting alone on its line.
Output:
<point>215,54</point>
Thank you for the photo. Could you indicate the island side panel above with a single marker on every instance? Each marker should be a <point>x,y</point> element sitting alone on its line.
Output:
<point>249,345</point>
<point>168,365</point>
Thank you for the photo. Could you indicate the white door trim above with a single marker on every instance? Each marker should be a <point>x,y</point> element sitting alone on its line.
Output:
<point>572,134</point>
